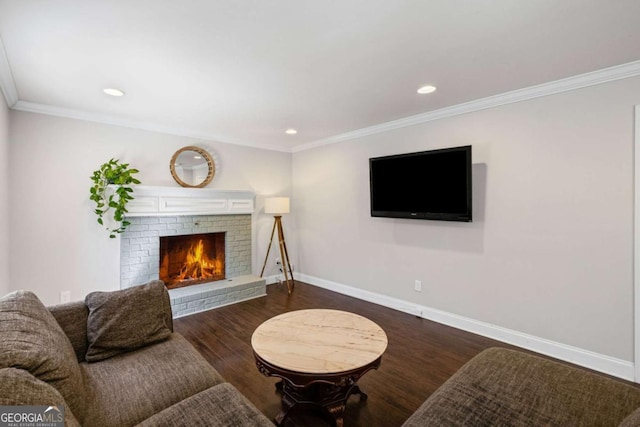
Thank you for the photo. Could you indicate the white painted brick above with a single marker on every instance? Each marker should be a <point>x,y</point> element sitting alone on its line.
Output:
<point>138,227</point>
<point>196,304</point>
<point>147,246</point>
<point>158,227</point>
<point>131,261</point>
<point>179,307</point>
<point>238,242</point>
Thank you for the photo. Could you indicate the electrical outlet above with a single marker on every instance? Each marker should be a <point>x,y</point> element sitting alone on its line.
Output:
<point>418,286</point>
<point>65,296</point>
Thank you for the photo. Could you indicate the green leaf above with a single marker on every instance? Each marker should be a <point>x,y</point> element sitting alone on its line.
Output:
<point>113,173</point>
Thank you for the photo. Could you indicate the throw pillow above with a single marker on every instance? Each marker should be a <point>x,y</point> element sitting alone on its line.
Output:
<point>18,387</point>
<point>32,340</point>
<point>125,320</point>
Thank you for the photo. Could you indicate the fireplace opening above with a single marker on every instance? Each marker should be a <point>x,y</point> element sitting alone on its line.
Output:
<point>190,259</point>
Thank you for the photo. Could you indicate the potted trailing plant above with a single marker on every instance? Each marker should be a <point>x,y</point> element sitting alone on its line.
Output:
<point>113,199</point>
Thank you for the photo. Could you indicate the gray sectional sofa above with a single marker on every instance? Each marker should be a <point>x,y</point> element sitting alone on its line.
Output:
<point>112,360</point>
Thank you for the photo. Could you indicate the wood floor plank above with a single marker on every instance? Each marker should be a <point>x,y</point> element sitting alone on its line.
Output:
<point>421,354</point>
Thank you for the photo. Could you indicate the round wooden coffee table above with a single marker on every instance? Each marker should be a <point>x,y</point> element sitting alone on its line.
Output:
<point>320,356</point>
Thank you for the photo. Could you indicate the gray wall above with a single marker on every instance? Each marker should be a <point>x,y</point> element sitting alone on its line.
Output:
<point>4,197</point>
<point>57,244</point>
<point>550,250</point>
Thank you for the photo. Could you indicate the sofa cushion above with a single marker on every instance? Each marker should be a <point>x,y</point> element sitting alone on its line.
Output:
<point>633,420</point>
<point>72,318</point>
<point>506,387</point>
<point>32,340</point>
<point>125,320</point>
<point>18,387</point>
<point>129,388</point>
<point>218,406</point>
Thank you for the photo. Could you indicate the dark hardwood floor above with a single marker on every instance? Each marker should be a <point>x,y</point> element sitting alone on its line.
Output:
<point>421,354</point>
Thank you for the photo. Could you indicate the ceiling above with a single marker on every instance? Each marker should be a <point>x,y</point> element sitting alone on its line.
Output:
<point>244,71</point>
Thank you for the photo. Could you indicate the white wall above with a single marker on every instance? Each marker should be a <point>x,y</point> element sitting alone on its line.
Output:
<point>550,250</point>
<point>57,244</point>
<point>4,197</point>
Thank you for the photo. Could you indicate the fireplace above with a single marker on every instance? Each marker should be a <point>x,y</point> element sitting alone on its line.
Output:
<point>140,259</point>
<point>191,259</point>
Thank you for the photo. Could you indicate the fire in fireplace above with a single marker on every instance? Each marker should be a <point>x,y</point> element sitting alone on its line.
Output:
<point>190,259</point>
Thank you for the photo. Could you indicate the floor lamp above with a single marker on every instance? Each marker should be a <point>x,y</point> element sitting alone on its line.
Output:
<point>278,206</point>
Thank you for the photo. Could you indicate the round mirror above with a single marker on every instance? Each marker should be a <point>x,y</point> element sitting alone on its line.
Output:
<point>192,167</point>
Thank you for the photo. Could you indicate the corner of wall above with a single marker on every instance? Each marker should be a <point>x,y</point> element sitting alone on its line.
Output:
<point>4,198</point>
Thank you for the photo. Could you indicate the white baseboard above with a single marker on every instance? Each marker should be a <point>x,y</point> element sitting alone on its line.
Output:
<point>598,362</point>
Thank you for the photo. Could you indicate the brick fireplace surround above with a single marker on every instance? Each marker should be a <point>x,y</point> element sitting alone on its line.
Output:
<point>151,217</point>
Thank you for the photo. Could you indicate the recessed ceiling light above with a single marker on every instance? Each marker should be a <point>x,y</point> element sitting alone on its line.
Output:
<point>426,89</point>
<point>113,92</point>
<point>290,131</point>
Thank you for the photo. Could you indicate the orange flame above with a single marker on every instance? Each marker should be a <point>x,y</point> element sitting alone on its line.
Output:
<point>198,265</point>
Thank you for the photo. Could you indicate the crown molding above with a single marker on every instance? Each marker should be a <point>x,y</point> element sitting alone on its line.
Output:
<point>52,110</point>
<point>605,75</point>
<point>7,84</point>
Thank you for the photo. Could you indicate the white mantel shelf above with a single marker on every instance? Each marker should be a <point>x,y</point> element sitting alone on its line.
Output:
<point>173,201</point>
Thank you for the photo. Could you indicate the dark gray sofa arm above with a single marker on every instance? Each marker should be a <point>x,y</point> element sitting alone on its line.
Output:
<point>501,387</point>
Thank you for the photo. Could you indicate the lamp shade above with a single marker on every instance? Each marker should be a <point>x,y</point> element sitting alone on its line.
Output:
<point>276,205</point>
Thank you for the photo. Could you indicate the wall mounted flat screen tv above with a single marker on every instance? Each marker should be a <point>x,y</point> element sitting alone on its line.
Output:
<point>432,184</point>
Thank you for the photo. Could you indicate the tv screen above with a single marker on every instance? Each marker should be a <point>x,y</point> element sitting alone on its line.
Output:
<point>432,184</point>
